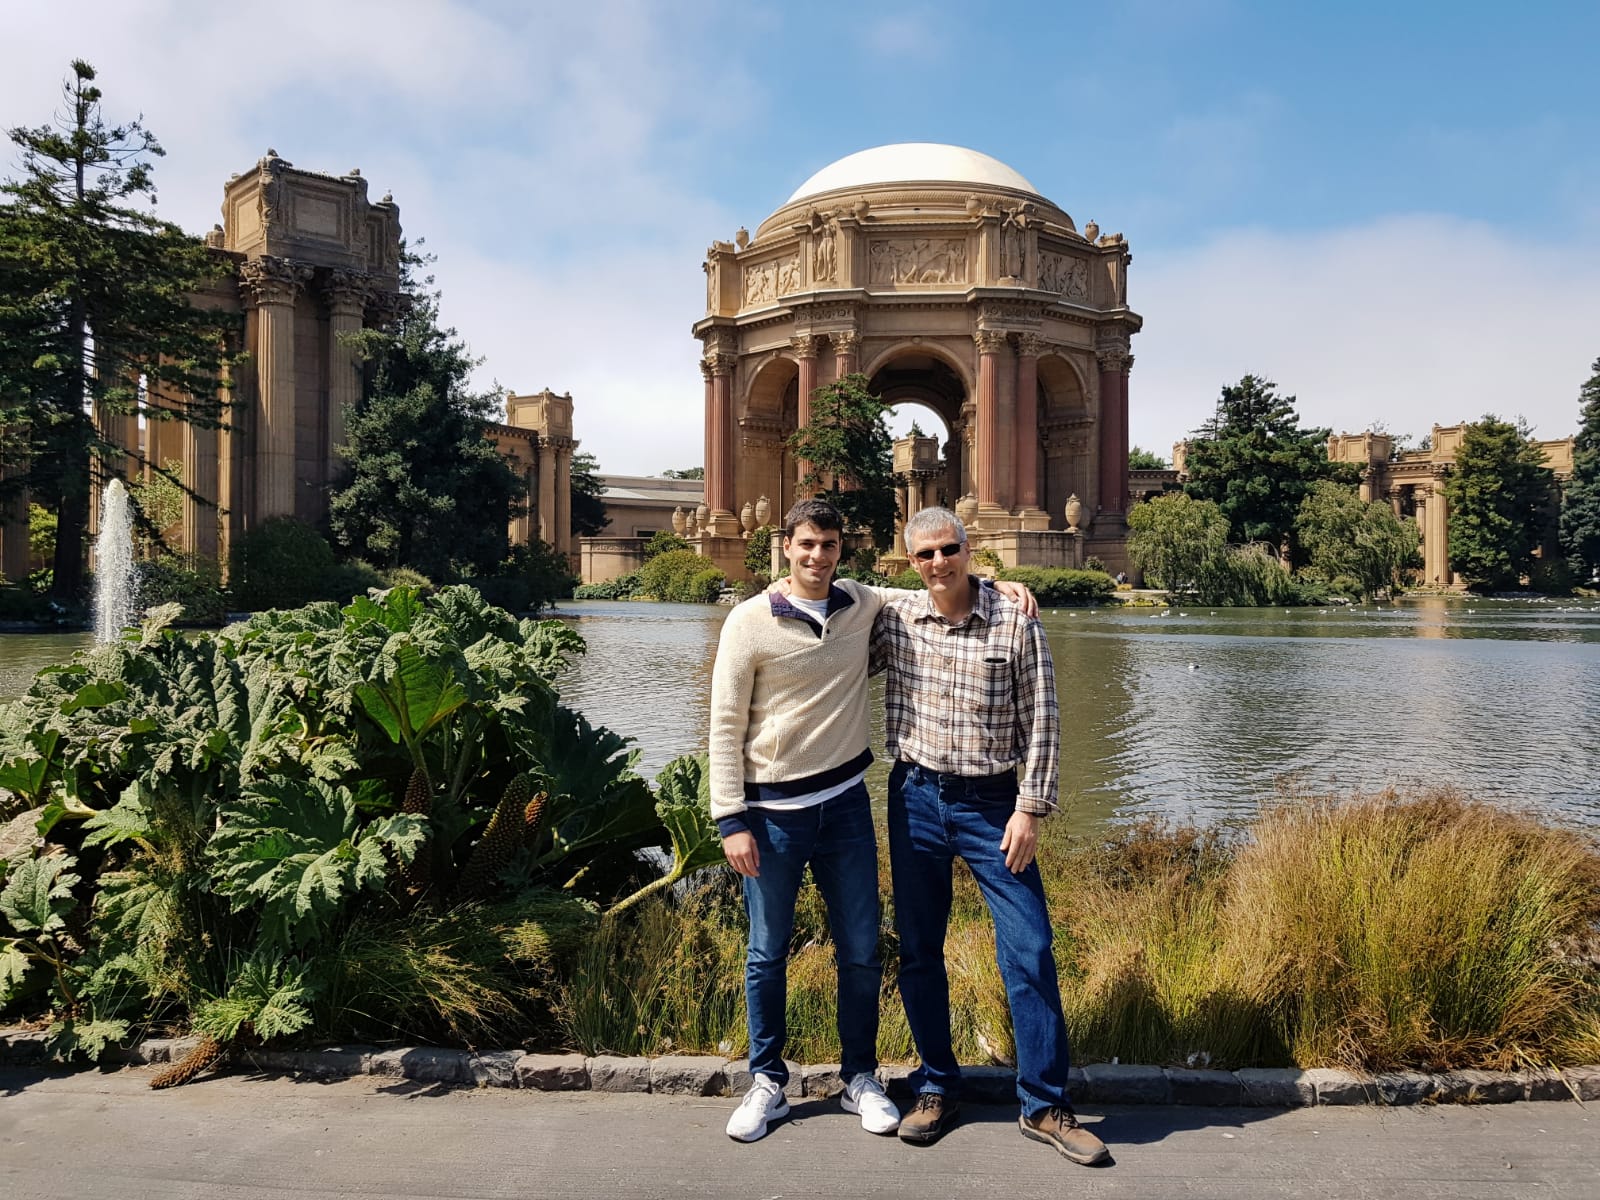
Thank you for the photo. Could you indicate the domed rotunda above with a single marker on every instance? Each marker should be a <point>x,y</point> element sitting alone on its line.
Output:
<point>946,278</point>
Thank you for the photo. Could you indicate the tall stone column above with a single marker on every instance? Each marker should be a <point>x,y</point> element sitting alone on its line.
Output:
<point>547,492</point>
<point>563,498</point>
<point>200,477</point>
<point>719,443</point>
<point>1113,431</point>
<point>805,351</point>
<point>1027,433</point>
<point>1437,558</point>
<point>272,285</point>
<point>347,296</point>
<point>985,467</point>
<point>846,352</point>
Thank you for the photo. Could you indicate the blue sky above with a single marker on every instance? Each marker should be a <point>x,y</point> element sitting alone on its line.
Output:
<point>1391,209</point>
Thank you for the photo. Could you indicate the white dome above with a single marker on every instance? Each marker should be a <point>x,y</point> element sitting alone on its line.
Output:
<point>912,162</point>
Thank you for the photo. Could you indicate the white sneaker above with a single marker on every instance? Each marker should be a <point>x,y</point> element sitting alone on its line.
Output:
<point>865,1095</point>
<point>762,1103</point>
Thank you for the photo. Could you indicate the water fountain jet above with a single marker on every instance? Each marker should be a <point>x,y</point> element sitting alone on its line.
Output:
<point>114,582</point>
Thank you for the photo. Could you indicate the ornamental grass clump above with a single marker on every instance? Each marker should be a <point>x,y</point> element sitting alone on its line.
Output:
<point>1429,932</point>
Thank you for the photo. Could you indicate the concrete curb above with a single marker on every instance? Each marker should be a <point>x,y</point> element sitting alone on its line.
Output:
<point>1097,1083</point>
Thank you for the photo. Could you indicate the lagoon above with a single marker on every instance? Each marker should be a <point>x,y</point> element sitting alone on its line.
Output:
<point>1191,713</point>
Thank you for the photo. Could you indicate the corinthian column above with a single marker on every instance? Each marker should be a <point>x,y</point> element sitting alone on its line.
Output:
<point>1113,430</point>
<point>717,368</point>
<point>563,490</point>
<point>271,286</point>
<point>346,295</point>
<point>1027,433</point>
<point>805,352</point>
<point>985,469</point>
<point>846,352</point>
<point>547,492</point>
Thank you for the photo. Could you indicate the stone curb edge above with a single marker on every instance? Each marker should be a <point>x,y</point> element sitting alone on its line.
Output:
<point>708,1075</point>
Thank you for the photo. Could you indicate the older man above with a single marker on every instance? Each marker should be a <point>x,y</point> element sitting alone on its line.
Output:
<point>973,728</point>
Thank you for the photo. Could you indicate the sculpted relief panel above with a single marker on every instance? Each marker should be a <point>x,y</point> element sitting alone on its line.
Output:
<point>1064,273</point>
<point>766,281</point>
<point>917,260</point>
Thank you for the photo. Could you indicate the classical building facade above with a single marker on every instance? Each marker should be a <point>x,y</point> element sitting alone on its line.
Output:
<point>948,280</point>
<point>309,258</point>
<point>1413,483</point>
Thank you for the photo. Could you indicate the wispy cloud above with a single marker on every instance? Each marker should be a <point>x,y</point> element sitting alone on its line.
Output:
<point>1413,321</point>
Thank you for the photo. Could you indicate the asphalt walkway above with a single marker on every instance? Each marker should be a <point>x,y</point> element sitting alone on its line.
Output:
<point>235,1137</point>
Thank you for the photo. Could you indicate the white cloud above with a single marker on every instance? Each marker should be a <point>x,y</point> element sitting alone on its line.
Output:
<point>1412,321</point>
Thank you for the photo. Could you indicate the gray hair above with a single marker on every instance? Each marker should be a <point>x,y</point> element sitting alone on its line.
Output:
<point>932,520</point>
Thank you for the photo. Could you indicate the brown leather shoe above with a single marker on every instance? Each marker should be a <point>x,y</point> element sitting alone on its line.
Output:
<point>1059,1127</point>
<point>931,1117</point>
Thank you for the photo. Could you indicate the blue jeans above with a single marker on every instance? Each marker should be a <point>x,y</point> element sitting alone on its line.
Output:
<point>837,839</point>
<point>932,819</point>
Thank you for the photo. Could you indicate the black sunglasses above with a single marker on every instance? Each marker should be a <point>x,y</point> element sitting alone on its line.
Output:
<point>950,551</point>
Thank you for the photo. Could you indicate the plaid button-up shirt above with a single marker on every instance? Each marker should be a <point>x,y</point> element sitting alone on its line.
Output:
<point>974,698</point>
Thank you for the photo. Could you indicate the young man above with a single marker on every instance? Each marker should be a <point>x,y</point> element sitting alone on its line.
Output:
<point>973,727</point>
<point>788,756</point>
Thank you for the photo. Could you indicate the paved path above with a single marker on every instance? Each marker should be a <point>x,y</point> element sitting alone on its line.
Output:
<point>91,1135</point>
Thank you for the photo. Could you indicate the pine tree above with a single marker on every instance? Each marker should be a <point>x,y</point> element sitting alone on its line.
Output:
<point>95,303</point>
<point>427,488</point>
<point>1580,506</point>
<point>1257,465</point>
<point>588,510</point>
<point>1499,496</point>
<point>851,454</point>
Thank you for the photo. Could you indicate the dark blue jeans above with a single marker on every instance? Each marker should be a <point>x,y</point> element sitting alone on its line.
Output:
<point>932,819</point>
<point>837,840</point>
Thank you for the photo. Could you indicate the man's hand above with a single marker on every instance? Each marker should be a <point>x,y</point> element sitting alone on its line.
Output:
<point>781,584</point>
<point>1019,595</point>
<point>1020,841</point>
<point>744,856</point>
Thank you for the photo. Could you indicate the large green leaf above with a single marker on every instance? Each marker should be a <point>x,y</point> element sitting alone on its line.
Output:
<point>38,894</point>
<point>26,774</point>
<point>268,993</point>
<point>412,695</point>
<point>295,852</point>
<point>683,802</point>
<point>13,966</point>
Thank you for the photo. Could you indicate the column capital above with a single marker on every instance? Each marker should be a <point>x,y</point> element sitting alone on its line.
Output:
<point>347,292</point>
<point>272,280</point>
<point>1113,359</point>
<point>989,341</point>
<point>845,341</point>
<point>805,345</point>
<point>1030,345</point>
<point>717,363</point>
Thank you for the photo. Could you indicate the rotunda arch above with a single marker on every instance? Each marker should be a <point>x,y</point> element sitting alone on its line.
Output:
<point>1067,465</point>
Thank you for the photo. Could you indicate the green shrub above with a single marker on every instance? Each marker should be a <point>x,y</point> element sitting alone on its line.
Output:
<point>908,580</point>
<point>20,602</point>
<point>283,563</point>
<point>1551,577</point>
<point>682,576</point>
<point>986,562</point>
<point>623,587</point>
<point>662,542</point>
<point>193,581</point>
<point>407,577</point>
<point>1058,587</point>
<point>274,828</point>
<point>758,552</point>
<point>532,577</point>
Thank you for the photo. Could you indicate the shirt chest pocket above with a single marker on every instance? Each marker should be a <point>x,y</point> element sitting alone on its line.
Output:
<point>995,688</point>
